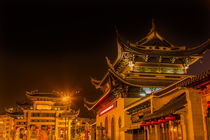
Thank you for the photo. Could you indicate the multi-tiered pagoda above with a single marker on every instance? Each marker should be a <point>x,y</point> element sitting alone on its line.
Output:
<point>140,68</point>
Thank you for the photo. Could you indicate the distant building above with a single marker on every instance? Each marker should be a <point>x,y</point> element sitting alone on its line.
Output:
<point>141,68</point>
<point>45,116</point>
<point>6,127</point>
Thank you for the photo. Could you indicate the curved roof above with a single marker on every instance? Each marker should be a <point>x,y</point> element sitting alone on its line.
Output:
<point>194,51</point>
<point>47,95</point>
<point>153,39</point>
<point>154,44</point>
<point>140,82</point>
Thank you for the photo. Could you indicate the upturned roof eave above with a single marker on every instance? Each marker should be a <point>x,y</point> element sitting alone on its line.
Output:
<point>100,99</point>
<point>195,51</point>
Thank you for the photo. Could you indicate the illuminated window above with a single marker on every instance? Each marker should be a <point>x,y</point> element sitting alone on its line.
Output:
<point>144,91</point>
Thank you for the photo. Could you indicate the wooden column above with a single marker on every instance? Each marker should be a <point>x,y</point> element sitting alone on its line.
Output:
<point>148,132</point>
<point>56,126</point>
<point>163,132</point>
<point>145,133</point>
<point>69,129</point>
<point>157,131</point>
<point>28,124</point>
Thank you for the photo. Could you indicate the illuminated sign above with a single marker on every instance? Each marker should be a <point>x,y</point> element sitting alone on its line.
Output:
<point>43,107</point>
<point>107,109</point>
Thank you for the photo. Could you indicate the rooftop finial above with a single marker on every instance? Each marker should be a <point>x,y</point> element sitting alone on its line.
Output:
<point>116,31</point>
<point>153,25</point>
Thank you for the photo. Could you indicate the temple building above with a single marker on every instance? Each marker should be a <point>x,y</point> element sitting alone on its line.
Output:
<point>45,116</point>
<point>141,68</point>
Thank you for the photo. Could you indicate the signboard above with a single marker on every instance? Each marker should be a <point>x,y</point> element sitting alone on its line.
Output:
<point>43,107</point>
<point>107,109</point>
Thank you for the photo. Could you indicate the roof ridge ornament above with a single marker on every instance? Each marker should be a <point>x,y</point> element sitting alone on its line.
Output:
<point>95,82</point>
<point>89,102</point>
<point>153,26</point>
<point>31,92</point>
<point>116,31</point>
<point>109,62</point>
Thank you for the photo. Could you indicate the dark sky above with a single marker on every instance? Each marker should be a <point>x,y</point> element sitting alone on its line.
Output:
<point>58,46</point>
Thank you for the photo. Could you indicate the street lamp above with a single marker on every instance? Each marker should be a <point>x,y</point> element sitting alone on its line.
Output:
<point>66,101</point>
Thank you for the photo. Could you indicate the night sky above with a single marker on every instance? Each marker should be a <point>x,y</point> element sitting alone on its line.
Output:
<point>58,46</point>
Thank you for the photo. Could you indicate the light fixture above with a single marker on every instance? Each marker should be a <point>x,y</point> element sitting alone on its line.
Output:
<point>65,98</point>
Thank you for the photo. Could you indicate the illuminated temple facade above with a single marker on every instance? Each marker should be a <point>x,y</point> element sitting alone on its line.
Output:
<point>127,89</point>
<point>43,117</point>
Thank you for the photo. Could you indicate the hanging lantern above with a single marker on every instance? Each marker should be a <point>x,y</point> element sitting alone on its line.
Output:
<point>48,127</point>
<point>62,129</point>
<point>37,130</point>
<point>37,127</point>
<point>161,121</point>
<point>208,104</point>
<point>154,122</point>
<point>143,124</point>
<point>148,123</point>
<point>169,118</point>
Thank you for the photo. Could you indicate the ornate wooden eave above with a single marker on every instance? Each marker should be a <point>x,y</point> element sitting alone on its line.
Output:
<point>194,51</point>
<point>123,80</point>
<point>153,39</point>
<point>133,82</point>
<point>90,105</point>
<point>34,95</point>
<point>115,74</point>
<point>15,114</point>
<point>190,81</point>
<point>100,100</point>
<point>16,111</point>
<point>196,80</point>
<point>171,107</point>
<point>151,44</point>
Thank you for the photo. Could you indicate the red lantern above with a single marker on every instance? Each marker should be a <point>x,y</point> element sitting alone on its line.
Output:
<point>37,127</point>
<point>62,129</point>
<point>21,129</point>
<point>154,122</point>
<point>143,124</point>
<point>148,123</point>
<point>208,104</point>
<point>169,118</point>
<point>161,121</point>
<point>48,127</point>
